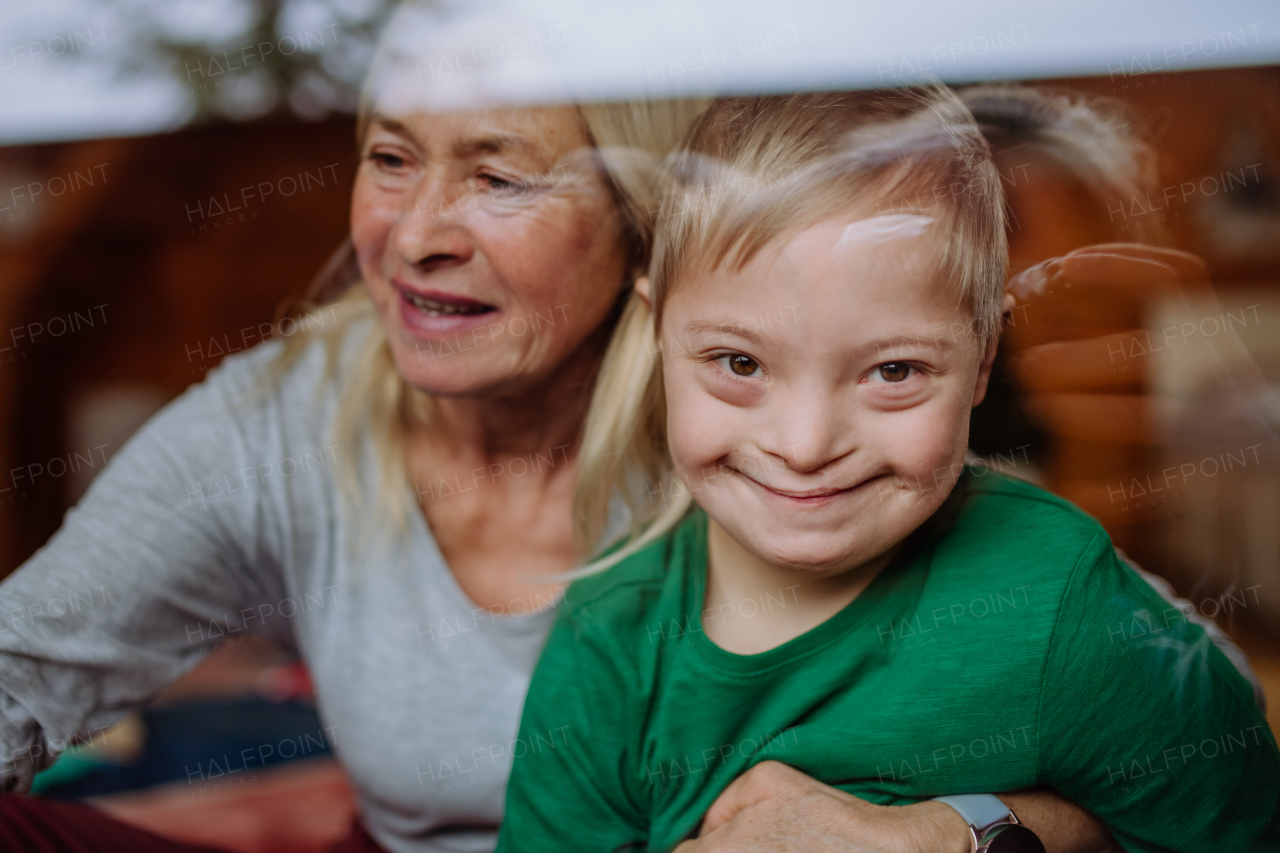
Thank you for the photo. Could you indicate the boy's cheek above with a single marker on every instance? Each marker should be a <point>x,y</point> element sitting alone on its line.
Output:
<point>923,445</point>
<point>700,428</point>
<point>696,450</point>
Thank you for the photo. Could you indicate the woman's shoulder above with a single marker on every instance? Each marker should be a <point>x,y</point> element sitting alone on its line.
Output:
<point>256,408</point>
<point>310,362</point>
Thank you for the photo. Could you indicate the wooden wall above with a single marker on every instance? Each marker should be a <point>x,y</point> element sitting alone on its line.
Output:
<point>137,283</point>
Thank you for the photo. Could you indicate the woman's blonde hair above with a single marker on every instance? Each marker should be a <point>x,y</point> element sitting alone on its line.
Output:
<point>629,138</point>
<point>753,170</point>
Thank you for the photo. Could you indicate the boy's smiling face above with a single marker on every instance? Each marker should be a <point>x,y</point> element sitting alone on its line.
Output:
<point>818,400</point>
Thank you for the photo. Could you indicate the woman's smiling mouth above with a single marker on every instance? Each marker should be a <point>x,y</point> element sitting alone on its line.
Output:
<point>436,315</point>
<point>438,304</point>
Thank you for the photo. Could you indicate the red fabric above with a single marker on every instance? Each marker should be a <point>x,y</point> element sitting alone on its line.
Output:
<point>358,841</point>
<point>35,825</point>
<point>300,807</point>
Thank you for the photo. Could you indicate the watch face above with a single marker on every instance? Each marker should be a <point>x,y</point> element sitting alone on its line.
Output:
<point>1013,838</point>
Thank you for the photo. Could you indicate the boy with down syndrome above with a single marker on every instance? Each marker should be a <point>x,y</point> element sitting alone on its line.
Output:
<point>818,475</point>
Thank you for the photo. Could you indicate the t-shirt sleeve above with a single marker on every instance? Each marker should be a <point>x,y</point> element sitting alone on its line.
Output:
<point>1216,635</point>
<point>573,794</point>
<point>164,556</point>
<point>1146,724</point>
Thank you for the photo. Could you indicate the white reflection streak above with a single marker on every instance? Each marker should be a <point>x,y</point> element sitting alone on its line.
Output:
<point>881,229</point>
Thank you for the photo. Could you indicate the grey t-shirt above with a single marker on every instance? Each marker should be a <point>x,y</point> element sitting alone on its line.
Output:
<point>222,518</point>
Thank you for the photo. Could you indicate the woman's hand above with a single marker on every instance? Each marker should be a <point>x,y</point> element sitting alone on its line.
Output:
<point>774,808</point>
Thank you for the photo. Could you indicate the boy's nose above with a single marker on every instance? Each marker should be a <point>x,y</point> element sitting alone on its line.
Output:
<point>809,435</point>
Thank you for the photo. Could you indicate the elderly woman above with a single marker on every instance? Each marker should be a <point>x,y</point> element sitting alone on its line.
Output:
<point>437,423</point>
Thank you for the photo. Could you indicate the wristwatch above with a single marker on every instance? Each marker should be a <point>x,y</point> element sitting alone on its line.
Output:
<point>993,827</point>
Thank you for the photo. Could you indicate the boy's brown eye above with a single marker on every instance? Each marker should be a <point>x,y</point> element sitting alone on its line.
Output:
<point>743,365</point>
<point>895,371</point>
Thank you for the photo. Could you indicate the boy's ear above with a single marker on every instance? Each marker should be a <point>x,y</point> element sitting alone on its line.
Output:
<point>988,358</point>
<point>643,288</point>
<point>984,370</point>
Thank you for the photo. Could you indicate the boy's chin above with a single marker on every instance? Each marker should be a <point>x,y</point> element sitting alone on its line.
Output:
<point>815,555</point>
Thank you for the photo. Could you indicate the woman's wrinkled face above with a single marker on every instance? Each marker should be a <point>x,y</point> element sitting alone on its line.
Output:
<point>490,243</point>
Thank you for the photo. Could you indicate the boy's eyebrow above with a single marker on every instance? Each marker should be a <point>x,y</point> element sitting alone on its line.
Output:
<point>706,328</point>
<point>943,341</point>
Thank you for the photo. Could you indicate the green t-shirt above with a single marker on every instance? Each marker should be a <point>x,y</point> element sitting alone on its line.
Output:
<point>1004,647</point>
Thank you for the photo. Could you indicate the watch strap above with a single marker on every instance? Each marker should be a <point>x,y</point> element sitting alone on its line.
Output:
<point>980,811</point>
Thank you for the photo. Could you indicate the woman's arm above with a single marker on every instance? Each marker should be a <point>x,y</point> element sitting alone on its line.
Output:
<point>1063,826</point>
<point>773,808</point>
<point>162,559</point>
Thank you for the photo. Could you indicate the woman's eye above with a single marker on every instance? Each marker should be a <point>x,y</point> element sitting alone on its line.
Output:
<point>504,186</point>
<point>390,162</point>
<point>894,371</point>
<point>739,364</point>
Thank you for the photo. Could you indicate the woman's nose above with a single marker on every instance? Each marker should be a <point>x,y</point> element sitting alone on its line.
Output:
<point>434,232</point>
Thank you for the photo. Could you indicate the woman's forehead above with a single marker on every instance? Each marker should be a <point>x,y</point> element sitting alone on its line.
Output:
<point>532,131</point>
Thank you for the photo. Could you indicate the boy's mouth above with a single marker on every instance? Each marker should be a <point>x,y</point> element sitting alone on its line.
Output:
<point>810,497</point>
<point>804,497</point>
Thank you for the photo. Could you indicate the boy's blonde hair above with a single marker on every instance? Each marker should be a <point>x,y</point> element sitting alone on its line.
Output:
<point>753,170</point>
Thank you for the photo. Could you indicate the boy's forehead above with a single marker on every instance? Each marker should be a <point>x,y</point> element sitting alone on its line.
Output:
<point>851,258</point>
<point>842,253</point>
<point>861,236</point>
<point>847,280</point>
